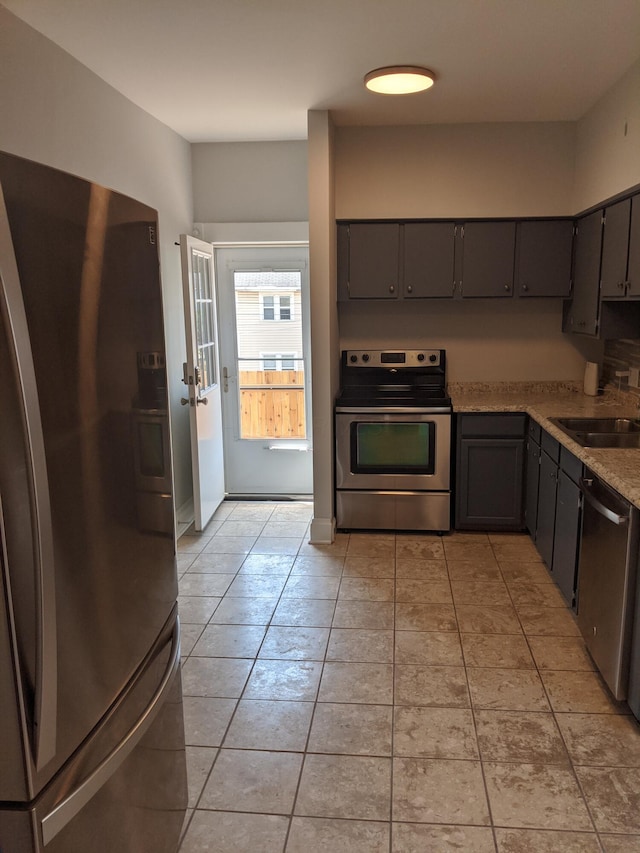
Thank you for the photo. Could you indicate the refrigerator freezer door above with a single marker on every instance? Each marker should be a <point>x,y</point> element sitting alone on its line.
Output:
<point>126,789</point>
<point>88,269</point>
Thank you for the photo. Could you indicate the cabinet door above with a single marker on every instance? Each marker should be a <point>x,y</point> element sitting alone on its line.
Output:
<point>566,536</point>
<point>546,508</point>
<point>428,259</point>
<point>633,270</point>
<point>488,254</point>
<point>342,250</point>
<point>533,481</point>
<point>489,484</point>
<point>543,266</point>
<point>583,312</point>
<point>615,246</point>
<point>374,254</point>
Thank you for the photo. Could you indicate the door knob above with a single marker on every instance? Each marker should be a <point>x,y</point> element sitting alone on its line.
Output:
<point>184,401</point>
<point>202,401</point>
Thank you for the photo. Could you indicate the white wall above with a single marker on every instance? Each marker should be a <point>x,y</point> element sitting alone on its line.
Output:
<point>324,317</point>
<point>487,340</point>
<point>54,110</point>
<point>455,170</point>
<point>608,144</point>
<point>452,171</point>
<point>250,182</point>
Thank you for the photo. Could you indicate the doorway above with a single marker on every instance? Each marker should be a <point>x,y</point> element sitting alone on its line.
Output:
<point>263,294</point>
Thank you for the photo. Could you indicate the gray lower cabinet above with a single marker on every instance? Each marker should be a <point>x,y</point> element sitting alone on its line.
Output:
<point>490,471</point>
<point>532,479</point>
<point>558,512</point>
<point>566,537</point>
<point>547,492</point>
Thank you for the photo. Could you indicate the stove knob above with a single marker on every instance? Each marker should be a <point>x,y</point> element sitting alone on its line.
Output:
<point>365,356</point>
<point>353,358</point>
<point>433,358</point>
<point>420,356</point>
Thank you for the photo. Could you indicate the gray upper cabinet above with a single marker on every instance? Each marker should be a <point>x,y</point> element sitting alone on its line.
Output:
<point>620,275</point>
<point>488,253</point>
<point>633,267</point>
<point>543,257</point>
<point>615,248</point>
<point>374,260</point>
<point>429,252</point>
<point>582,314</point>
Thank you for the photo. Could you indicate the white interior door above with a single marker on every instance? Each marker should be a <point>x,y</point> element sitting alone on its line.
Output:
<point>202,378</point>
<point>263,295</point>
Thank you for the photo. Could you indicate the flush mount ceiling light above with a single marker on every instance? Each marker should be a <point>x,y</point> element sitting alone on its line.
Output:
<point>399,79</point>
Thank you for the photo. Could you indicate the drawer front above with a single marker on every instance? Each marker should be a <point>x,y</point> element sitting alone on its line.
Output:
<point>492,425</point>
<point>570,464</point>
<point>550,446</point>
<point>534,430</point>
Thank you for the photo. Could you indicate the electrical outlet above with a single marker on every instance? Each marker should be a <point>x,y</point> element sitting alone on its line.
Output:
<point>634,377</point>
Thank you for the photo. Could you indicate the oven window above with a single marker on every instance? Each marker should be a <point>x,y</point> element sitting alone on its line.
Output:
<point>392,448</point>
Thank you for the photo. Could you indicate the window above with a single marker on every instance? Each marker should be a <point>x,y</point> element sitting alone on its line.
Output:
<point>277,308</point>
<point>269,361</point>
<point>285,307</point>
<point>278,360</point>
<point>268,308</point>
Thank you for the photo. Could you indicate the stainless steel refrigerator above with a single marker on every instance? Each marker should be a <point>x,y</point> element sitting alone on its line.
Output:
<point>91,730</point>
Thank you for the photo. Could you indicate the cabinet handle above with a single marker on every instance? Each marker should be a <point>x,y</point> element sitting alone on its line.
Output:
<point>525,287</point>
<point>621,285</point>
<point>391,288</point>
<point>409,289</point>
<point>507,287</point>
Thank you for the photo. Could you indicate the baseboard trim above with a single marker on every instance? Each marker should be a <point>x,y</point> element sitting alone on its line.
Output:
<point>322,531</point>
<point>185,516</point>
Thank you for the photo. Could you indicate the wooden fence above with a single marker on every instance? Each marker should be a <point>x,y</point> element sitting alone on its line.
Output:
<point>272,404</point>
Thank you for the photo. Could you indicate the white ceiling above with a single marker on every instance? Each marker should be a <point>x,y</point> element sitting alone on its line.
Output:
<point>229,70</point>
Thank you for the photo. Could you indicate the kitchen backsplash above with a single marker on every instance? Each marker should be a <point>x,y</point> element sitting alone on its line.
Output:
<point>620,356</point>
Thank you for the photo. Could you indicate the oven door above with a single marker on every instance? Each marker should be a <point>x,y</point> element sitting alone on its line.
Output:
<point>393,451</point>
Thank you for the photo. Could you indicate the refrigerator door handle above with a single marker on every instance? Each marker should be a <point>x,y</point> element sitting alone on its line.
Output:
<point>59,817</point>
<point>46,687</point>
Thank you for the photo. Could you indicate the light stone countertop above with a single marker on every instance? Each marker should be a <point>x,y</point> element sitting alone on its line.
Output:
<point>620,468</point>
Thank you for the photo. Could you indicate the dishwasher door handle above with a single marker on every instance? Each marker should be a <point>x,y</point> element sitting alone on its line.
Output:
<point>610,514</point>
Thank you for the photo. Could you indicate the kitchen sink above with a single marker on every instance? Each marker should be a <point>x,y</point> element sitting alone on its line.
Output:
<point>601,432</point>
<point>599,424</point>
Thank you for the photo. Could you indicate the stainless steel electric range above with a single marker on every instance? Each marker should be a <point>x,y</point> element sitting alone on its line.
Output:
<point>393,441</point>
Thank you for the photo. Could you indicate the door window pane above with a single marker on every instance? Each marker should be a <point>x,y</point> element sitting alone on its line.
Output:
<point>270,406</point>
<point>205,319</point>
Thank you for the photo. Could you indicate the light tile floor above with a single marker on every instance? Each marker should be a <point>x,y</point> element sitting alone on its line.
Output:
<point>392,693</point>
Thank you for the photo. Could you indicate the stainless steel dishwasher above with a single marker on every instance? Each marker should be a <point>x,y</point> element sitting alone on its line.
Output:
<point>606,580</point>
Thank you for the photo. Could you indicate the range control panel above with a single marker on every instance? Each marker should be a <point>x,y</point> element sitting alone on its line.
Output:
<point>393,358</point>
